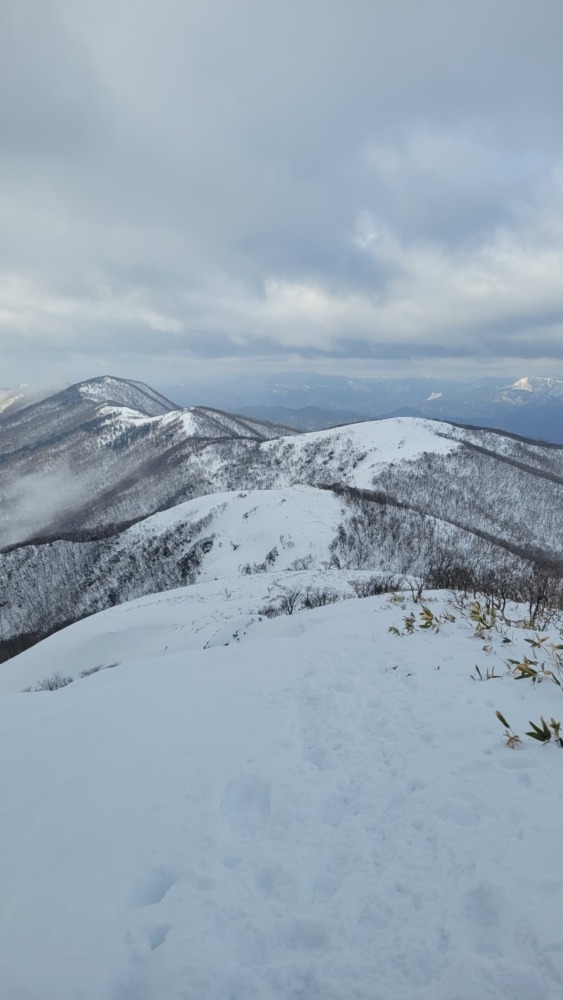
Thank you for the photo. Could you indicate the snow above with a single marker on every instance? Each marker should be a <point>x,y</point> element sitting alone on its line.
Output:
<point>127,417</point>
<point>8,397</point>
<point>319,809</point>
<point>127,392</point>
<point>124,416</point>
<point>539,384</point>
<point>379,443</point>
<point>193,617</point>
<point>297,522</point>
<point>187,423</point>
<point>524,384</point>
<point>394,438</point>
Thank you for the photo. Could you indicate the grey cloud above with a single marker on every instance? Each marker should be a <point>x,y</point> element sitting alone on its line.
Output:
<point>164,165</point>
<point>50,103</point>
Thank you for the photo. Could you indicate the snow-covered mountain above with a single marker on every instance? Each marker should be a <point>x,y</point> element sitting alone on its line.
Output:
<point>403,496</point>
<point>322,805</point>
<point>104,451</point>
<point>538,385</point>
<point>122,392</point>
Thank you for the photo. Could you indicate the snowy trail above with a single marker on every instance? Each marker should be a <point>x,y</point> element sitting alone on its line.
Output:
<point>321,810</point>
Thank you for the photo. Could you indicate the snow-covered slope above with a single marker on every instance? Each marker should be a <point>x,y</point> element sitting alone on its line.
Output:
<point>357,453</point>
<point>102,452</point>
<point>535,384</point>
<point>214,537</point>
<point>82,460</point>
<point>401,496</point>
<point>321,809</point>
<point>124,392</point>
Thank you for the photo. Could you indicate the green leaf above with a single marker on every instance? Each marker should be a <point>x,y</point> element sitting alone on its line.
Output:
<point>541,737</point>
<point>537,728</point>
<point>541,733</point>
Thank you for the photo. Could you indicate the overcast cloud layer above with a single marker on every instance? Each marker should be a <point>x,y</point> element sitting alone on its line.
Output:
<point>364,187</point>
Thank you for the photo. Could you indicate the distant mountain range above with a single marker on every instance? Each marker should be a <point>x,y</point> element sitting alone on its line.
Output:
<point>531,406</point>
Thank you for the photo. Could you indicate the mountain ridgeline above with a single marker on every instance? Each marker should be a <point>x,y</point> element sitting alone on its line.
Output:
<point>530,406</point>
<point>108,491</point>
<point>104,452</point>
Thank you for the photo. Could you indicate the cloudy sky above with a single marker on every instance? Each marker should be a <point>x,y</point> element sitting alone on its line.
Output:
<point>350,186</point>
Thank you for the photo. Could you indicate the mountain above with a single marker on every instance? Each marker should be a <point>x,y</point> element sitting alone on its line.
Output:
<point>104,451</point>
<point>535,386</point>
<point>405,497</point>
<point>320,805</point>
<point>16,397</point>
<point>531,406</point>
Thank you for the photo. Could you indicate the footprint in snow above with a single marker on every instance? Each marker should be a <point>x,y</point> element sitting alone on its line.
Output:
<point>152,888</point>
<point>158,935</point>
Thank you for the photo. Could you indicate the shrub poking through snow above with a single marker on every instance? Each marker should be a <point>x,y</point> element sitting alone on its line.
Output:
<point>512,740</point>
<point>491,623</point>
<point>374,585</point>
<point>545,732</point>
<point>489,674</point>
<point>97,668</point>
<point>428,621</point>
<point>53,683</point>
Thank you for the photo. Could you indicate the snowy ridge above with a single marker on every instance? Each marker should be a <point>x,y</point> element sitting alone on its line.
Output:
<point>537,383</point>
<point>215,537</point>
<point>73,459</point>
<point>434,496</point>
<point>319,809</point>
<point>124,392</point>
<point>287,525</point>
<point>360,452</point>
<point>70,463</point>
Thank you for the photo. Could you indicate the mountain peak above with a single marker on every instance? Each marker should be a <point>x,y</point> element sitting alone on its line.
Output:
<point>124,392</point>
<point>536,383</point>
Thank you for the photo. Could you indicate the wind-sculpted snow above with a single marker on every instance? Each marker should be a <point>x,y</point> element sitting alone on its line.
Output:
<point>319,809</point>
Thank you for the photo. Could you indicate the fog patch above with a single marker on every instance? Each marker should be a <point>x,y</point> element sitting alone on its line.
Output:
<point>35,502</point>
